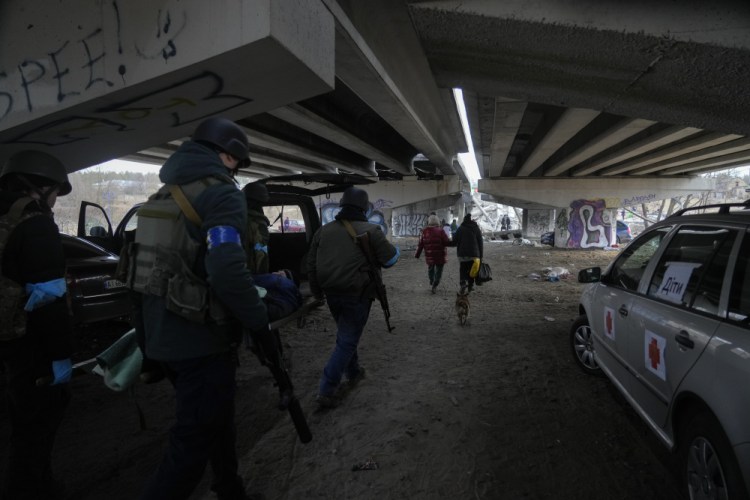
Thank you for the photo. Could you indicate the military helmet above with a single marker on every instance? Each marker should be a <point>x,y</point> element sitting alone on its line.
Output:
<point>256,192</point>
<point>39,164</point>
<point>224,134</point>
<point>355,197</point>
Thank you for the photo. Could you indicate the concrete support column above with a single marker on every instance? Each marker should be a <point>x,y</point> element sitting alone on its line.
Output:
<point>537,222</point>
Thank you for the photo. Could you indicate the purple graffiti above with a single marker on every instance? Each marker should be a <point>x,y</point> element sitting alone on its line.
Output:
<point>586,226</point>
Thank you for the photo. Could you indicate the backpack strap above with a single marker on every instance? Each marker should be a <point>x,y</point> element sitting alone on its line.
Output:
<point>349,229</point>
<point>16,209</point>
<point>184,204</point>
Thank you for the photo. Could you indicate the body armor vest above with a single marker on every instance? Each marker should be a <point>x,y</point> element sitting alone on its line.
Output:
<point>12,295</point>
<point>163,259</point>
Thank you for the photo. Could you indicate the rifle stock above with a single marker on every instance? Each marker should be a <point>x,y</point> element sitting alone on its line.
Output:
<point>373,270</point>
<point>267,348</point>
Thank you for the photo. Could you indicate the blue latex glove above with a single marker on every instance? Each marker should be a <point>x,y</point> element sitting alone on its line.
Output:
<point>62,369</point>
<point>44,293</point>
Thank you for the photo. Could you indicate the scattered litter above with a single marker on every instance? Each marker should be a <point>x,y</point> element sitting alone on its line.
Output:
<point>549,318</point>
<point>534,277</point>
<point>553,278</point>
<point>559,272</point>
<point>370,464</point>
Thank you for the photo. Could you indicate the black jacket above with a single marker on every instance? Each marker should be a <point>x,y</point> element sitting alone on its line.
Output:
<point>170,337</point>
<point>34,254</point>
<point>468,240</point>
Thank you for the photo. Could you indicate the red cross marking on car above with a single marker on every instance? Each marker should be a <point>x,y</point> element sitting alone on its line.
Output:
<point>653,354</point>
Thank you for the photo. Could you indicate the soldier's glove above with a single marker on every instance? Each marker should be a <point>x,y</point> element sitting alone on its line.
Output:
<point>62,369</point>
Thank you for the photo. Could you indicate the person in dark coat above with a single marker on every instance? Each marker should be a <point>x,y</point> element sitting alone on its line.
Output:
<point>469,246</point>
<point>434,242</point>
<point>37,363</point>
<point>337,271</point>
<point>256,241</point>
<point>198,353</point>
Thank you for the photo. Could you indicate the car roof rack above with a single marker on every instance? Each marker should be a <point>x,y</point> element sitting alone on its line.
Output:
<point>724,208</point>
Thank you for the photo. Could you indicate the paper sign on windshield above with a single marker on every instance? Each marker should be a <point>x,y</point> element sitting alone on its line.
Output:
<point>675,281</point>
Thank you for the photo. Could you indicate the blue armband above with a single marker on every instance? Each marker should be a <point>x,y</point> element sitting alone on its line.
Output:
<point>44,293</point>
<point>260,248</point>
<point>222,234</point>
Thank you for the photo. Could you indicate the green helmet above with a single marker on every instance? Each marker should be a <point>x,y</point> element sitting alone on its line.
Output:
<point>226,135</point>
<point>355,197</point>
<point>38,164</point>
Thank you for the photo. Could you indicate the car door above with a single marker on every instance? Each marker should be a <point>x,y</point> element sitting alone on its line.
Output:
<point>609,319</point>
<point>94,225</point>
<point>673,321</point>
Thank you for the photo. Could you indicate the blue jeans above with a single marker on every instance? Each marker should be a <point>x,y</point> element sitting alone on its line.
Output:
<point>350,314</point>
<point>204,430</point>
<point>435,272</point>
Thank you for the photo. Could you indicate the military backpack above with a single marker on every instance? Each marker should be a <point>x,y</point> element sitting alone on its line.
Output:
<point>12,295</point>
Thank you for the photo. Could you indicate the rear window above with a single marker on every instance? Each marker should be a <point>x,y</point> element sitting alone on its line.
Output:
<point>285,218</point>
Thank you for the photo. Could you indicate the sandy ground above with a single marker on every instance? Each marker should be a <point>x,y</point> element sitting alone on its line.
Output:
<point>494,409</point>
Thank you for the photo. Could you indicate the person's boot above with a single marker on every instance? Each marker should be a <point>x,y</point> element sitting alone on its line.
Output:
<point>434,288</point>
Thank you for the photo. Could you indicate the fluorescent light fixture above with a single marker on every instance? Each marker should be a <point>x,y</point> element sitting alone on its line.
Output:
<point>468,161</point>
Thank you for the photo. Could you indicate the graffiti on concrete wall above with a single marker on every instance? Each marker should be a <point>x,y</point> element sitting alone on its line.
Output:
<point>76,66</point>
<point>637,200</point>
<point>330,208</point>
<point>538,222</point>
<point>409,224</point>
<point>589,224</point>
<point>561,228</point>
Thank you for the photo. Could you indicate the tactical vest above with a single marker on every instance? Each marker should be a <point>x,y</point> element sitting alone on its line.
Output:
<point>163,259</point>
<point>12,295</point>
<point>256,246</point>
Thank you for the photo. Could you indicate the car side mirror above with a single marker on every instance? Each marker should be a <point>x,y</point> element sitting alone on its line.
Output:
<point>590,275</point>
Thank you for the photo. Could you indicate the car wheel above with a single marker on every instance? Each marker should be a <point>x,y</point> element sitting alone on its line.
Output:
<point>582,347</point>
<point>709,467</point>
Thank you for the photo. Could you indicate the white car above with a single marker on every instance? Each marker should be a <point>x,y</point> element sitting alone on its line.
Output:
<point>668,322</point>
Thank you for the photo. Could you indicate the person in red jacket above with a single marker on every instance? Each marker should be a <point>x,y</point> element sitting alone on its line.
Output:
<point>433,241</point>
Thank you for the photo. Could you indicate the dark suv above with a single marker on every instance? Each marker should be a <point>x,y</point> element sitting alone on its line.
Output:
<point>291,198</point>
<point>668,322</point>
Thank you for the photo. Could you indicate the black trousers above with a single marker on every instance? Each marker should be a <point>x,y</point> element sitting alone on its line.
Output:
<point>204,431</point>
<point>35,415</point>
<point>463,272</point>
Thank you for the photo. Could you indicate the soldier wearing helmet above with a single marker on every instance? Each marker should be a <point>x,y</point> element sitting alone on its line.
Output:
<point>194,297</point>
<point>336,269</point>
<point>35,328</point>
<point>256,244</point>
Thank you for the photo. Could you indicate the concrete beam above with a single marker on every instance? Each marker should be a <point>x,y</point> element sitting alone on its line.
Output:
<point>400,89</point>
<point>111,80</point>
<point>507,120</point>
<point>570,123</point>
<point>729,148</point>
<point>655,141</point>
<point>306,119</point>
<point>543,193</point>
<point>627,128</point>
<point>685,147</point>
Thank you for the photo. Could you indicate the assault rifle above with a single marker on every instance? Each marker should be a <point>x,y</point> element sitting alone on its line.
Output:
<point>373,271</point>
<point>267,347</point>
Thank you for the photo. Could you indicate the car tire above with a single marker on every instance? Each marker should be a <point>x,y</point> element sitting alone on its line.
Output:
<point>582,348</point>
<point>707,460</point>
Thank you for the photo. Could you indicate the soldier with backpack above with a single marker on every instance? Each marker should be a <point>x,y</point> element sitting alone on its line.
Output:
<point>256,242</point>
<point>195,297</point>
<point>35,327</point>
